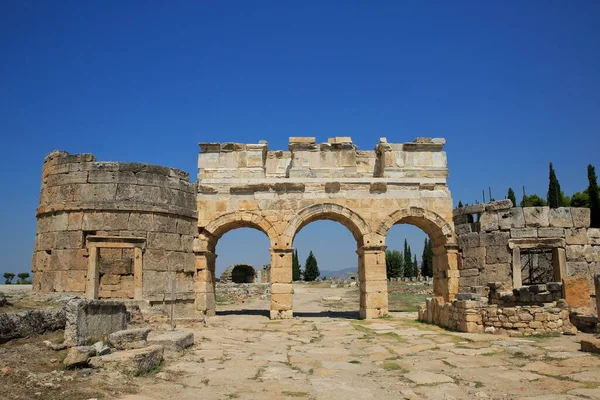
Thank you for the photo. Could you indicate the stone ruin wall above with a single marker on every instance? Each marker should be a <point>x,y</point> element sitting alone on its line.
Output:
<point>127,210</point>
<point>279,192</point>
<point>492,296</point>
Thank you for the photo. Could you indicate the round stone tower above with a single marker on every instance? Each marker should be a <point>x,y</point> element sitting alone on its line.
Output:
<point>114,230</point>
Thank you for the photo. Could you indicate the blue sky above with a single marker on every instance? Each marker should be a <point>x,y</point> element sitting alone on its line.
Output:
<point>510,85</point>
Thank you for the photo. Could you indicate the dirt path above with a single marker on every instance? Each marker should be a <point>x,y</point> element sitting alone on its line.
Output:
<point>323,353</point>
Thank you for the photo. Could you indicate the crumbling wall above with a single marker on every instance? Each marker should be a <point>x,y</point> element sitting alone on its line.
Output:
<point>492,295</point>
<point>82,198</point>
<point>493,236</point>
<point>239,273</point>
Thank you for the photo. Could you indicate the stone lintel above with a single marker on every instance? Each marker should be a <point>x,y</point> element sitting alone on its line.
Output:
<point>536,243</point>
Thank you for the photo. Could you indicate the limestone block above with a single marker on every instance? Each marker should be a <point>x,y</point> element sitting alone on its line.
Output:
<point>281,301</point>
<point>495,239</point>
<point>488,221</point>
<point>500,272</point>
<point>578,268</point>
<point>576,291</point>
<point>78,356</point>
<point>164,241</point>
<point>281,275</point>
<point>576,236</point>
<point>463,229</point>
<point>205,302</point>
<point>75,220</point>
<point>68,259</point>
<point>469,272</point>
<point>129,338</point>
<point>89,320</point>
<point>68,240</point>
<point>469,240</point>
<point>140,222</point>
<point>523,233</point>
<point>105,221</point>
<point>581,217</point>
<point>164,223</point>
<point>283,288</point>
<point>373,286</point>
<point>373,272</point>
<point>560,217</point>
<point>497,254</point>
<point>100,192</point>
<point>374,300</point>
<point>580,253</point>
<point>134,362</point>
<point>172,340</point>
<point>499,205</point>
<point>473,257</point>
<point>536,217</point>
<point>468,281</point>
<point>551,232</point>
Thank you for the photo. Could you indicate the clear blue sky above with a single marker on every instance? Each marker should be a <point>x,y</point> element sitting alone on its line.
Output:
<point>510,85</point>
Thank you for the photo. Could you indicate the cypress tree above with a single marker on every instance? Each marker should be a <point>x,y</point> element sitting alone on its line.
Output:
<point>296,273</point>
<point>407,260</point>
<point>427,262</point>
<point>460,204</point>
<point>594,197</point>
<point>393,263</point>
<point>593,187</point>
<point>311,269</point>
<point>415,266</point>
<point>554,195</point>
<point>511,197</point>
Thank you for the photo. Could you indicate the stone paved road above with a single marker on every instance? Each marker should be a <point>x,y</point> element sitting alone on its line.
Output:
<point>314,356</point>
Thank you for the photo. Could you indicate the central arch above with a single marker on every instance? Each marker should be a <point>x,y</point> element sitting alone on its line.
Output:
<point>327,211</point>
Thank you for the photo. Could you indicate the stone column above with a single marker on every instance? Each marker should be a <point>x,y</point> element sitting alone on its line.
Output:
<point>282,298</point>
<point>204,282</point>
<point>597,288</point>
<point>138,271</point>
<point>559,264</point>
<point>373,282</point>
<point>517,279</point>
<point>93,274</point>
<point>445,271</point>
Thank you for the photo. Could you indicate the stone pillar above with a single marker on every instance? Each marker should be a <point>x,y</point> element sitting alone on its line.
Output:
<point>445,271</point>
<point>373,282</point>
<point>282,298</point>
<point>597,288</point>
<point>204,282</point>
<point>93,273</point>
<point>559,264</point>
<point>517,279</point>
<point>138,270</point>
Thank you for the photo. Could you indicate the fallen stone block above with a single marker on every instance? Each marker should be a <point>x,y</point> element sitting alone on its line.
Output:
<point>129,339</point>
<point>78,356</point>
<point>30,323</point>
<point>90,320</point>
<point>101,348</point>
<point>172,340</point>
<point>134,362</point>
<point>591,346</point>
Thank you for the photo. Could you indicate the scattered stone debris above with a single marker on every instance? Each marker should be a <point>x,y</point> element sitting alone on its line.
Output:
<point>134,362</point>
<point>78,356</point>
<point>28,323</point>
<point>591,345</point>
<point>129,339</point>
<point>172,340</point>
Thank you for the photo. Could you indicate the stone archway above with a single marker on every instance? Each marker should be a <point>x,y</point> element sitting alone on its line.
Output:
<point>445,249</point>
<point>205,256</point>
<point>279,192</point>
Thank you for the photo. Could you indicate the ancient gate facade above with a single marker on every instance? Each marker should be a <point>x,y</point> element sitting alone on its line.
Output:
<point>280,192</point>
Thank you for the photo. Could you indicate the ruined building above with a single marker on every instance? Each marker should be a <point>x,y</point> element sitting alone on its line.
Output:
<point>114,230</point>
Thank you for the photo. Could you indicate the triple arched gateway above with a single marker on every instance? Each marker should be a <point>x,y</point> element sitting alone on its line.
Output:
<point>115,230</point>
<point>280,192</point>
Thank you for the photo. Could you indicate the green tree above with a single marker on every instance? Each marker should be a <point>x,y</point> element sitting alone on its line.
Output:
<point>511,197</point>
<point>427,259</point>
<point>460,204</point>
<point>311,269</point>
<point>415,266</point>
<point>23,278</point>
<point>8,276</point>
<point>580,199</point>
<point>296,272</point>
<point>393,263</point>
<point>554,196</point>
<point>533,201</point>
<point>408,272</point>
<point>594,197</point>
<point>593,192</point>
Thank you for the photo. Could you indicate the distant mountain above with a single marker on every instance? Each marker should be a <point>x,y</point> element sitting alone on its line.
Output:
<point>338,272</point>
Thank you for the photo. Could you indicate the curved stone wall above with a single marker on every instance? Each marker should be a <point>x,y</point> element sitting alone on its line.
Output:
<point>115,209</point>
